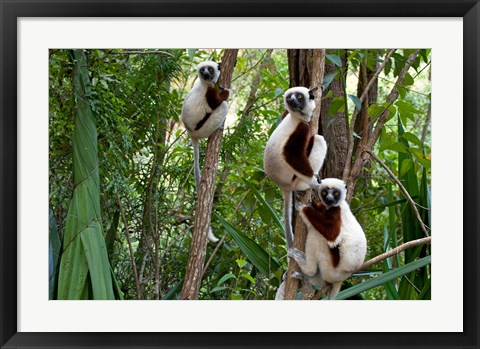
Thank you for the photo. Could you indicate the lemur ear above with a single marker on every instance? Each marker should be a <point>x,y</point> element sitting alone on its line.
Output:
<point>219,66</point>
<point>311,91</point>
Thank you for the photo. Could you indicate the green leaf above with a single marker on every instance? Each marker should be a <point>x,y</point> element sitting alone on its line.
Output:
<point>255,254</point>
<point>236,297</point>
<point>407,164</point>
<point>225,278</point>
<point>84,265</point>
<point>408,81</point>
<point>327,80</point>
<point>241,262</point>
<point>248,277</point>
<point>338,104</point>
<point>334,59</point>
<point>191,53</point>
<point>268,208</point>
<point>356,101</point>
<point>218,289</point>
<point>412,138</point>
<point>384,278</point>
<point>396,146</point>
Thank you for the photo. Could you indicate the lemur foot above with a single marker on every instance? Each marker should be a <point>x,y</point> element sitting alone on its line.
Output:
<point>299,205</point>
<point>300,194</point>
<point>296,254</point>
<point>298,275</point>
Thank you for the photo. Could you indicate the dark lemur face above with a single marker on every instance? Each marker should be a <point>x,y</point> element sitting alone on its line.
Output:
<point>296,100</point>
<point>300,102</point>
<point>332,192</point>
<point>209,71</point>
<point>330,196</point>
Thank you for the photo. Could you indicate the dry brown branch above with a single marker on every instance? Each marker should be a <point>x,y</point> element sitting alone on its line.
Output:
<point>402,188</point>
<point>395,251</point>
<point>205,194</point>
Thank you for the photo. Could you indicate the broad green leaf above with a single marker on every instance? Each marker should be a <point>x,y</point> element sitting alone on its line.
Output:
<point>337,105</point>
<point>84,265</point>
<point>356,101</point>
<point>191,53</point>
<point>225,278</point>
<point>268,208</point>
<point>412,138</point>
<point>255,254</point>
<point>388,276</point>
<point>334,59</point>
<point>218,289</point>
<point>241,262</point>
<point>327,80</point>
<point>248,277</point>
<point>407,164</point>
<point>54,253</point>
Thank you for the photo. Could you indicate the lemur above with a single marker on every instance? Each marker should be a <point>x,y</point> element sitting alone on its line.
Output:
<point>336,244</point>
<point>204,111</point>
<point>293,156</point>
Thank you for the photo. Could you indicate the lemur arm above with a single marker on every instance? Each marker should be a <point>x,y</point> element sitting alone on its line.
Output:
<point>215,98</point>
<point>296,152</point>
<point>326,222</point>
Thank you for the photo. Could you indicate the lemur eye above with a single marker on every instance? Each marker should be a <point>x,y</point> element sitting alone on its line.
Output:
<point>210,69</point>
<point>299,96</point>
<point>201,70</point>
<point>336,193</point>
<point>324,193</point>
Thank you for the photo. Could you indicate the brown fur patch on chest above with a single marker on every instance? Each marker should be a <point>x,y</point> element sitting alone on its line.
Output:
<point>216,97</point>
<point>335,256</point>
<point>326,222</point>
<point>295,150</point>
<point>285,113</point>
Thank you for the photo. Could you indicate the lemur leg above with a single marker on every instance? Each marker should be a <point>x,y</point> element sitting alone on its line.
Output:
<point>334,290</point>
<point>318,153</point>
<point>307,262</point>
<point>287,215</point>
<point>196,162</point>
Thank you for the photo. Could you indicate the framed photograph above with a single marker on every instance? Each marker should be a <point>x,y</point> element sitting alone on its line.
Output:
<point>190,248</point>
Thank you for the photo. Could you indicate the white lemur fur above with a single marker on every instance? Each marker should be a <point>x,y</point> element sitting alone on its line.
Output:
<point>336,244</point>
<point>204,111</point>
<point>293,156</point>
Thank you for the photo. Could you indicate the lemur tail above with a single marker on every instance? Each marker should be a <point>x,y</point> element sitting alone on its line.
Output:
<point>211,237</point>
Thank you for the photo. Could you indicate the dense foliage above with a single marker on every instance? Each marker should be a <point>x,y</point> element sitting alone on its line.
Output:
<point>147,189</point>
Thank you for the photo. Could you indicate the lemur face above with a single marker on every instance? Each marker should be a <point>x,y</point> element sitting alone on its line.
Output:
<point>300,101</point>
<point>209,71</point>
<point>332,192</point>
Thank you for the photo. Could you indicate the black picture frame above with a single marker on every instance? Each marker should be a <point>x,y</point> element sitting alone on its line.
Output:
<point>11,10</point>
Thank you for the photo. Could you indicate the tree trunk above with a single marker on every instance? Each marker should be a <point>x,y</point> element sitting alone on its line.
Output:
<point>333,127</point>
<point>316,78</point>
<point>205,194</point>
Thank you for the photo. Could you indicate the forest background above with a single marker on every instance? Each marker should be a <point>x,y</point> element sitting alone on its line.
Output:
<point>122,193</point>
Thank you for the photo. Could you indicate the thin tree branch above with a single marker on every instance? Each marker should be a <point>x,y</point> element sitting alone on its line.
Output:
<point>379,258</point>
<point>395,251</point>
<point>348,164</point>
<point>402,188</point>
